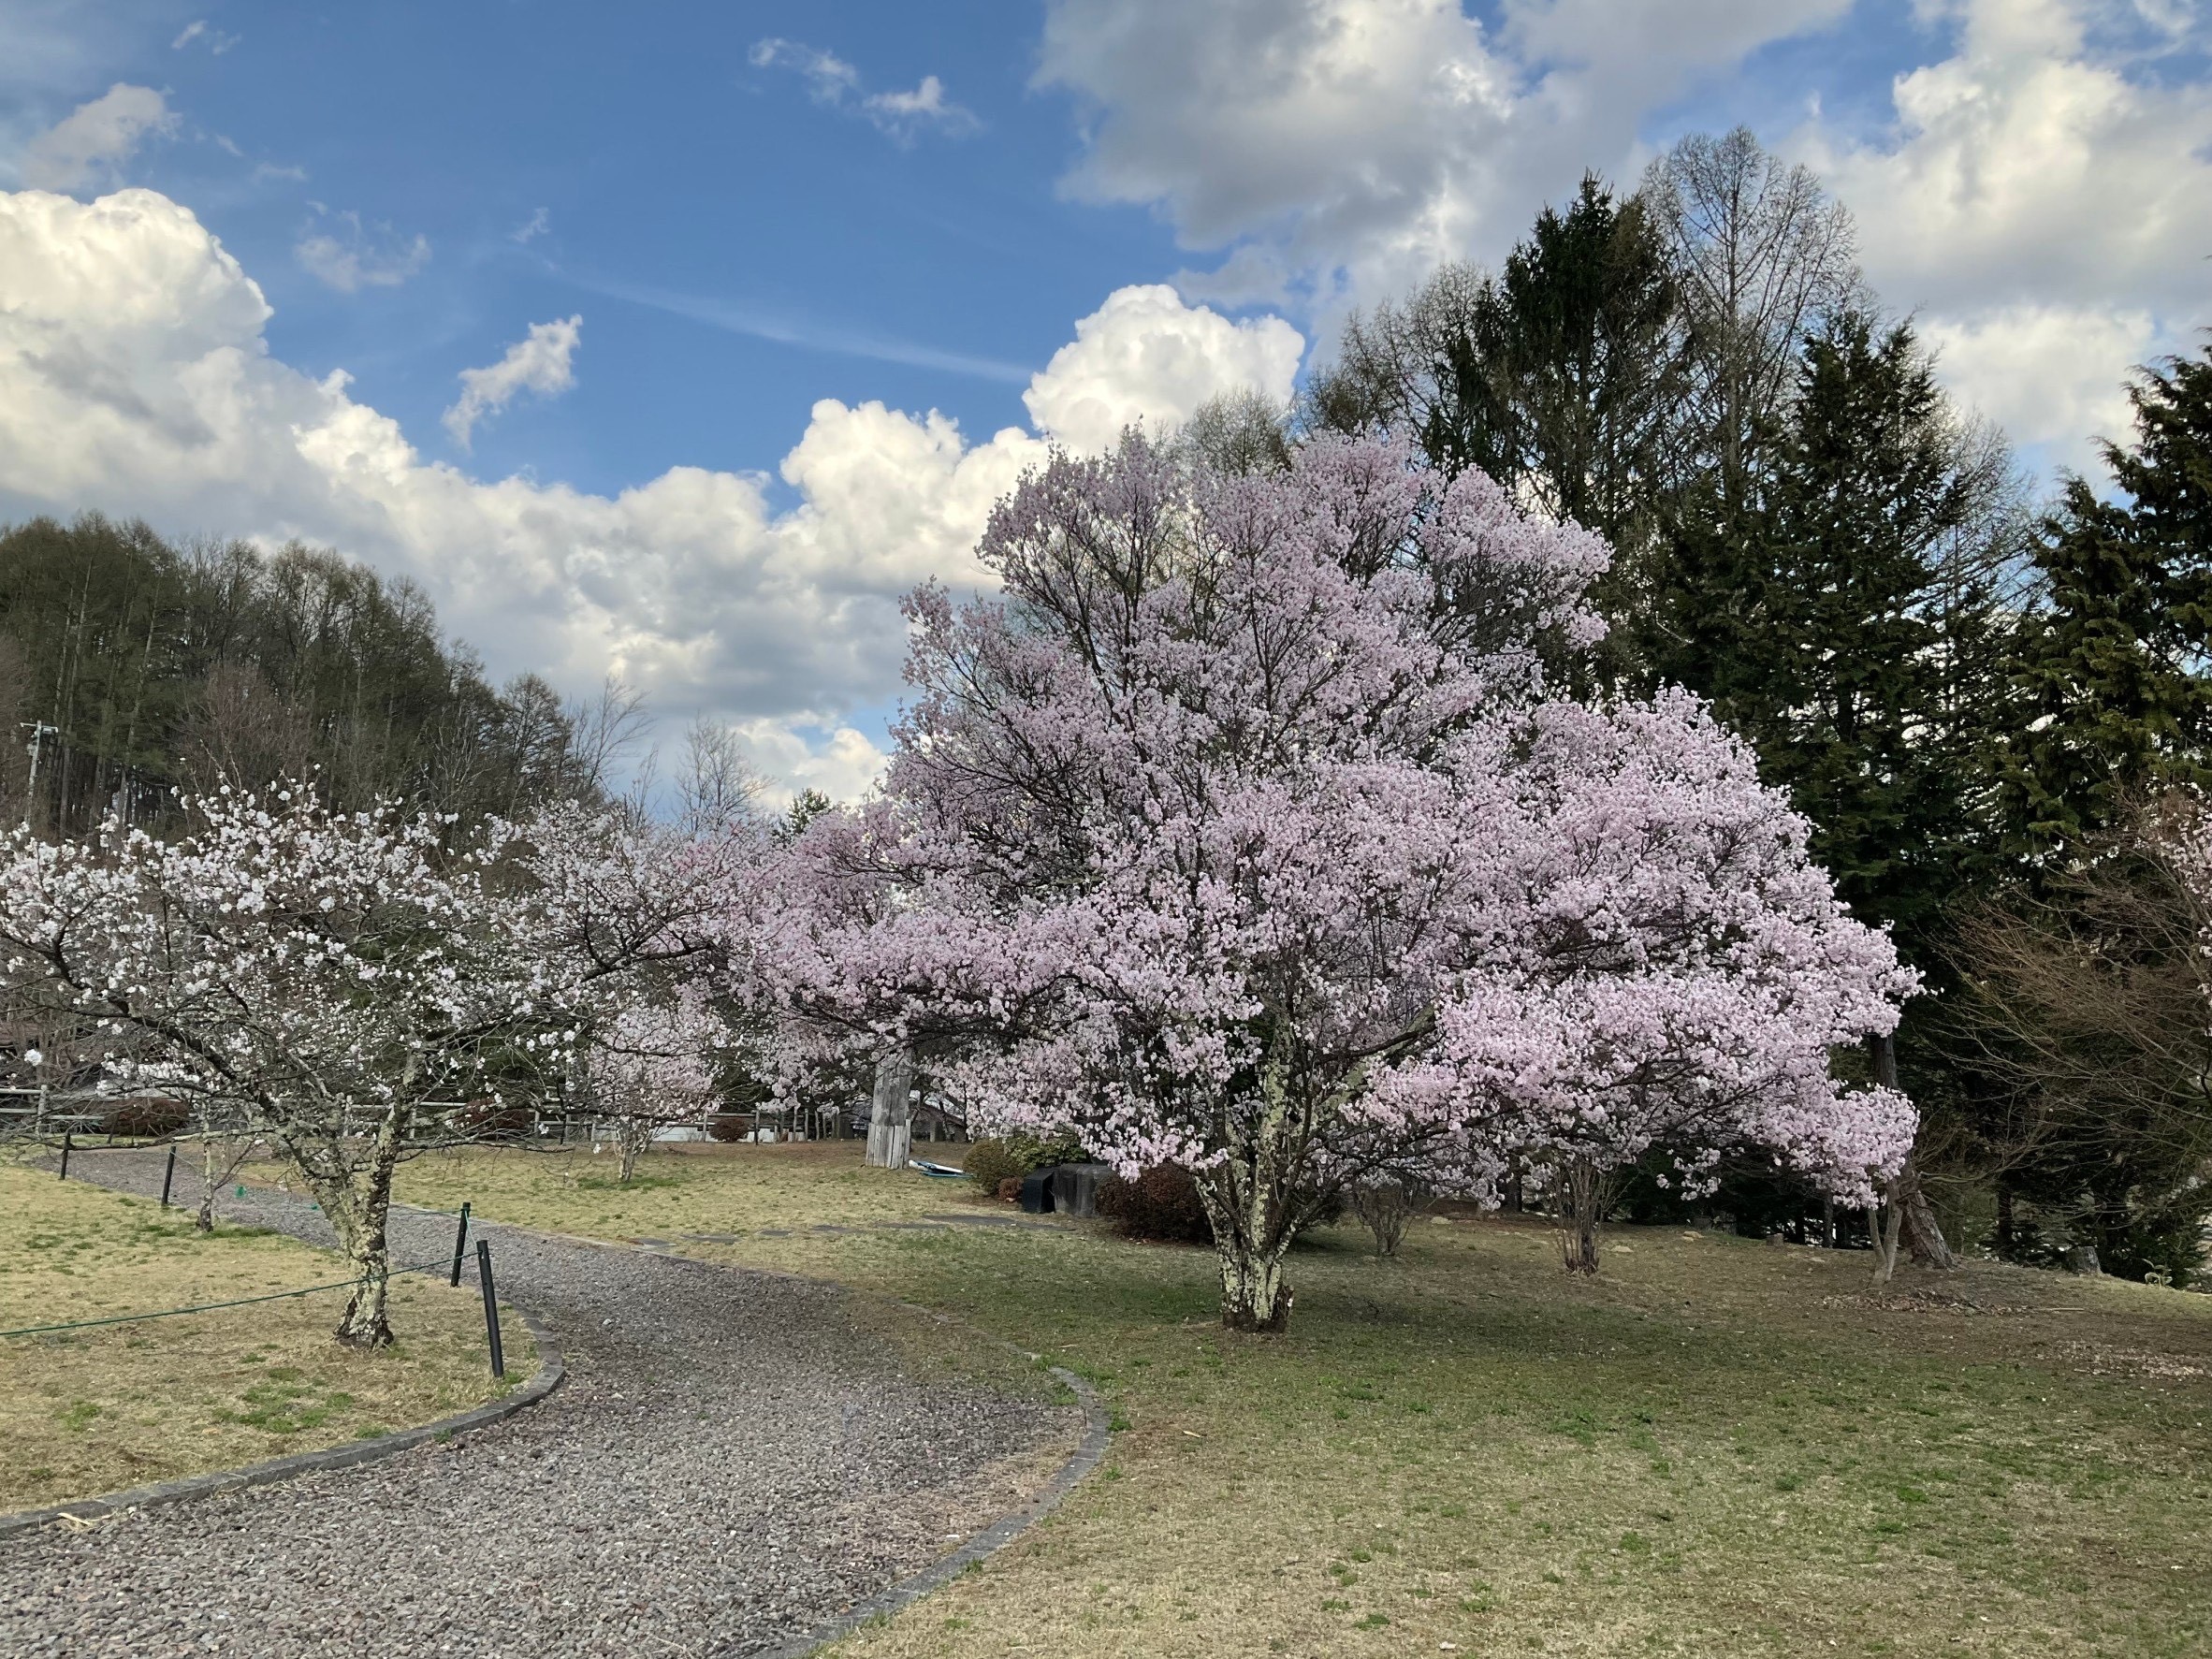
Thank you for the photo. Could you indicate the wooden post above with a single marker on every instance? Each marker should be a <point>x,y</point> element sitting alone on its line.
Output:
<point>891,1124</point>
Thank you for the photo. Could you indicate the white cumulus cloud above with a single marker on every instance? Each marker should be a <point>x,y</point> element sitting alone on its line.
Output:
<point>541,362</point>
<point>2043,197</point>
<point>843,763</point>
<point>351,255</point>
<point>90,144</point>
<point>1145,355</point>
<point>1349,146</point>
<point>136,378</point>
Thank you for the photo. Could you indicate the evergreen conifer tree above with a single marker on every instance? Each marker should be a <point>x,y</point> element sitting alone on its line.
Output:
<point>2112,669</point>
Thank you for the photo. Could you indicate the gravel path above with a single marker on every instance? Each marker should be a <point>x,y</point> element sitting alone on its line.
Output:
<point>729,1464</point>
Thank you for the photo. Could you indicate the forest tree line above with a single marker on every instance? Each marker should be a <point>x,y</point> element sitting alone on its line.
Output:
<point>134,671</point>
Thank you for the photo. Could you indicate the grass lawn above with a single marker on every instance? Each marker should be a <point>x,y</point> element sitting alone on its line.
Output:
<point>87,1412</point>
<point>1719,1448</point>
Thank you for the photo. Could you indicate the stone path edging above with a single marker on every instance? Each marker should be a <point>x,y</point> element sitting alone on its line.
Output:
<point>549,1374</point>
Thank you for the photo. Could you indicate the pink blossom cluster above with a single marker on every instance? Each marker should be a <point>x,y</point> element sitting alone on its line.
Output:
<point>1247,831</point>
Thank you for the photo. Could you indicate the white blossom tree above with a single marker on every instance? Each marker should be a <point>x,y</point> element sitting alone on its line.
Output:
<point>328,978</point>
<point>628,919</point>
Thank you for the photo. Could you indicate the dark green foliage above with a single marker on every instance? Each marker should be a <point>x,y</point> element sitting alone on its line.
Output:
<point>806,807</point>
<point>1559,376</point>
<point>159,670</point>
<point>2112,670</point>
<point>1754,1199</point>
<point>1848,623</point>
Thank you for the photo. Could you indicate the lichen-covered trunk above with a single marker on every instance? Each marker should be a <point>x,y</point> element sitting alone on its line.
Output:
<point>213,1174</point>
<point>1245,1201</point>
<point>1249,1193</point>
<point>890,1128</point>
<point>359,1202</point>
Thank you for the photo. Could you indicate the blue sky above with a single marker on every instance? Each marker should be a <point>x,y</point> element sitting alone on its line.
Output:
<point>665,166</point>
<point>818,258</point>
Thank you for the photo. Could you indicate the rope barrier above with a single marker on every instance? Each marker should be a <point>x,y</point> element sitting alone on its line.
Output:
<point>208,1307</point>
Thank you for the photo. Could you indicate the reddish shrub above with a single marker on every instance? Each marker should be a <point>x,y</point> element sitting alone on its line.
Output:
<point>1161,1205</point>
<point>1010,1190</point>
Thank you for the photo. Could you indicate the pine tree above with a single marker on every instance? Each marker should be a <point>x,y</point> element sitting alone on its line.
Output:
<point>1865,685</point>
<point>1559,376</point>
<point>2112,669</point>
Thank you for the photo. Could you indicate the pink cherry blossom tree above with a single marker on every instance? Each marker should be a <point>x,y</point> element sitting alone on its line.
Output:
<point>1244,833</point>
<point>329,978</point>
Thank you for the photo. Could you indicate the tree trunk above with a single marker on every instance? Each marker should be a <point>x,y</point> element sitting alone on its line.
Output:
<point>212,1177</point>
<point>1244,1201</point>
<point>1255,1295</point>
<point>359,1202</point>
<point>1923,1234</point>
<point>2007,1233</point>
<point>632,1135</point>
<point>890,1128</point>
<point>1580,1203</point>
<point>1884,1227</point>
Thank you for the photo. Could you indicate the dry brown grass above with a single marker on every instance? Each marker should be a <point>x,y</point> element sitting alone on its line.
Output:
<point>87,1412</point>
<point>1718,1447</point>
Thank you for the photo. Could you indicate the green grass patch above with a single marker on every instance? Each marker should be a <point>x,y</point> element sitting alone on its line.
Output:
<point>96,1410</point>
<point>1717,1448</point>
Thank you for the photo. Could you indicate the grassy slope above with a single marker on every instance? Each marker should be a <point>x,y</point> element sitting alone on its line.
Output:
<point>1720,1447</point>
<point>93,1411</point>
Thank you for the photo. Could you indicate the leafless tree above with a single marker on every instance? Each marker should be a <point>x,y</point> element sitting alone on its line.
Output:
<point>2085,1007</point>
<point>1763,255</point>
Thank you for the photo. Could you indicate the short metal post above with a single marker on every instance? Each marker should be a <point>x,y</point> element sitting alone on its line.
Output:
<point>168,1175</point>
<point>491,1307</point>
<point>461,1242</point>
<point>64,1154</point>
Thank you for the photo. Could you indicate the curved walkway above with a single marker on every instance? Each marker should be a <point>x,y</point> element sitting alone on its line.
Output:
<point>728,1465</point>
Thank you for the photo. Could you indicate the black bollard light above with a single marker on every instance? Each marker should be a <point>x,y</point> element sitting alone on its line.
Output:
<point>168,1175</point>
<point>491,1307</point>
<point>64,1154</point>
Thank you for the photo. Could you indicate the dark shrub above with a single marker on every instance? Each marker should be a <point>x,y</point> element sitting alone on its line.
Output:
<point>144,1118</point>
<point>1010,1190</point>
<point>729,1125</point>
<point>490,1120</point>
<point>1161,1205</point>
<point>990,1162</point>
